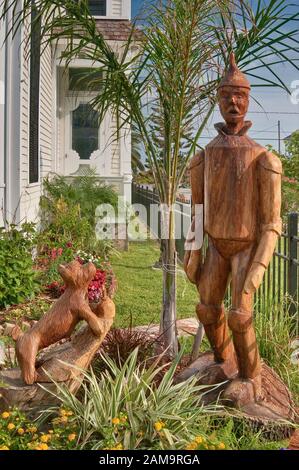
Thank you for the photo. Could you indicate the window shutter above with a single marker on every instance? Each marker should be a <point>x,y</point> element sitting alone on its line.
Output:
<point>35,50</point>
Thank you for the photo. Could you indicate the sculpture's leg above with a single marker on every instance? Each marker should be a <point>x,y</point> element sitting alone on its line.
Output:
<point>211,313</point>
<point>248,387</point>
<point>26,350</point>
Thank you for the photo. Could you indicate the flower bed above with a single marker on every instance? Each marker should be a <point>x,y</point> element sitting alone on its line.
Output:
<point>17,432</point>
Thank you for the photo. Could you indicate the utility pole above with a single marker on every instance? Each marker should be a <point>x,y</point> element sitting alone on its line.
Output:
<point>279,146</point>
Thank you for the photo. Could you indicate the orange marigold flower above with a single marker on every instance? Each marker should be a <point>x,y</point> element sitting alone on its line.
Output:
<point>159,425</point>
<point>32,429</point>
<point>43,446</point>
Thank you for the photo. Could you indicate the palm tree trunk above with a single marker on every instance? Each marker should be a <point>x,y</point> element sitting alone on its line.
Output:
<point>168,328</point>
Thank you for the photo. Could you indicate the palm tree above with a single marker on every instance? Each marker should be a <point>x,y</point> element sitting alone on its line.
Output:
<point>173,78</point>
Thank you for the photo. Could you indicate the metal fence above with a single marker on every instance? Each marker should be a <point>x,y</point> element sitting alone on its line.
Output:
<point>281,281</point>
<point>282,276</point>
<point>148,197</point>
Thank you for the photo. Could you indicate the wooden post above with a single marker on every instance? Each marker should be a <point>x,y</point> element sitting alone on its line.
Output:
<point>293,260</point>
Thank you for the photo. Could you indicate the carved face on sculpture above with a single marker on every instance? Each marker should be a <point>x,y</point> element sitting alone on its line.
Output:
<point>233,103</point>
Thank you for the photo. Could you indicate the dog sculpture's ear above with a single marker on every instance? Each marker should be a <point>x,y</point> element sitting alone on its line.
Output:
<point>89,271</point>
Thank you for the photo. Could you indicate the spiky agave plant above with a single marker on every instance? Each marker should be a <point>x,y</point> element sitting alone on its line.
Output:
<point>184,47</point>
<point>124,404</point>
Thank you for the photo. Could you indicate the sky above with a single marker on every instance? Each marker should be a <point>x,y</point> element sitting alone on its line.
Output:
<point>274,101</point>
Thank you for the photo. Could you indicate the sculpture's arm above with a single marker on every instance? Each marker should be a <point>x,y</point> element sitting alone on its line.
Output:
<point>193,256</point>
<point>95,323</point>
<point>269,181</point>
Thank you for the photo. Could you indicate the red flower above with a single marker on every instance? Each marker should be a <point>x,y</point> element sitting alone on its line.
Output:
<point>95,287</point>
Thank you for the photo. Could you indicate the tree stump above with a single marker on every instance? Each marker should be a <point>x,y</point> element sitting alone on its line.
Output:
<point>277,405</point>
<point>294,441</point>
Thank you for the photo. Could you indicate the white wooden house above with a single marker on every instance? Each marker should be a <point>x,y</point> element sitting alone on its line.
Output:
<point>41,125</point>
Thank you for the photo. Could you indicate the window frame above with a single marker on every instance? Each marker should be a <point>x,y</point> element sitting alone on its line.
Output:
<point>77,97</point>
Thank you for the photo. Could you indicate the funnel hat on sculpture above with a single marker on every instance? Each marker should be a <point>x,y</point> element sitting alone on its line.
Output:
<point>234,77</point>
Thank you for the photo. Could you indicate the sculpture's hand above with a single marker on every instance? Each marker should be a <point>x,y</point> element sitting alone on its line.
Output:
<point>192,265</point>
<point>192,257</point>
<point>96,325</point>
<point>93,321</point>
<point>254,278</point>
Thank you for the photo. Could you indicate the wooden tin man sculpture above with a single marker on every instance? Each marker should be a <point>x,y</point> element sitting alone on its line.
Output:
<point>239,184</point>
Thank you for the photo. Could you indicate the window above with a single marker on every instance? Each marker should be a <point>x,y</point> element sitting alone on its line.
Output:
<point>84,79</point>
<point>97,7</point>
<point>35,50</point>
<point>85,130</point>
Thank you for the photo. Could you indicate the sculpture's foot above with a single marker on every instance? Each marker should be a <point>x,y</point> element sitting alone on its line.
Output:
<point>240,392</point>
<point>29,376</point>
<point>220,372</point>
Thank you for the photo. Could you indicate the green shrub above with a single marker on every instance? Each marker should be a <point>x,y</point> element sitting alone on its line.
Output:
<point>18,279</point>
<point>276,329</point>
<point>53,258</point>
<point>84,191</point>
<point>68,213</point>
<point>65,224</point>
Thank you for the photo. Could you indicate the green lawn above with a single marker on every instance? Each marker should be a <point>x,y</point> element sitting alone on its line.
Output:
<point>139,293</point>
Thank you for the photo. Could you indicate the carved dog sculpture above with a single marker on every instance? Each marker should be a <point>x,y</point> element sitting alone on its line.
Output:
<point>59,322</point>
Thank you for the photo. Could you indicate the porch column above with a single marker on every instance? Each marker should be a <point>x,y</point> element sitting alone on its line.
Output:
<point>125,163</point>
<point>2,125</point>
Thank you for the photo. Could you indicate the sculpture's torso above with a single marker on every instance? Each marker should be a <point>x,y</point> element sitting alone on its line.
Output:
<point>231,188</point>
